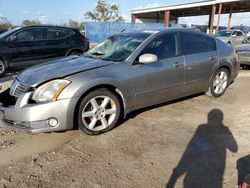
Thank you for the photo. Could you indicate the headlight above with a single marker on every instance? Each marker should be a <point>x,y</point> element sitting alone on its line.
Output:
<point>49,91</point>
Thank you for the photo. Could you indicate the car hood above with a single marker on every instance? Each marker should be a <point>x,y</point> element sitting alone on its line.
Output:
<point>59,69</point>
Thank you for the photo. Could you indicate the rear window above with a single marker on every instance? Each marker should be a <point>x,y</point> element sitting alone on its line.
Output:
<point>222,46</point>
<point>57,33</point>
<point>193,43</point>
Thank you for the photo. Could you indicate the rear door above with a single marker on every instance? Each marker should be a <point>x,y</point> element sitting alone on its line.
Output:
<point>201,59</point>
<point>162,80</point>
<point>58,41</point>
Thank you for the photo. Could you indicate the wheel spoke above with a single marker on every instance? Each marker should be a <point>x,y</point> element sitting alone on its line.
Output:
<point>94,103</point>
<point>105,102</point>
<point>110,111</point>
<point>93,123</point>
<point>88,114</point>
<point>216,90</point>
<point>104,122</point>
<point>1,68</point>
<point>224,84</point>
<point>222,74</point>
<point>221,89</point>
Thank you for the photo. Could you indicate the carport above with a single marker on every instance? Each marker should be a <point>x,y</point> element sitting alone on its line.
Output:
<point>167,14</point>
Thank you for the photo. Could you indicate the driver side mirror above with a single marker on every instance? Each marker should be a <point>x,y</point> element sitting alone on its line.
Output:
<point>234,36</point>
<point>13,38</point>
<point>148,58</point>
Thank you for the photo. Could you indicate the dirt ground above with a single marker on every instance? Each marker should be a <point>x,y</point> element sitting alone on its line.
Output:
<point>196,142</point>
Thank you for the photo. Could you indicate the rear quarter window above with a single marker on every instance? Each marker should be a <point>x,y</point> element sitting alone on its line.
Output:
<point>221,45</point>
<point>196,43</point>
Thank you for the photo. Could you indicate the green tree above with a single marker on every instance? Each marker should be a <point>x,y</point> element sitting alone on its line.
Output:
<point>72,23</point>
<point>30,22</point>
<point>75,24</point>
<point>4,24</point>
<point>105,12</point>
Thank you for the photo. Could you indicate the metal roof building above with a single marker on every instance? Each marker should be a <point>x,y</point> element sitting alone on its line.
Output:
<point>166,14</point>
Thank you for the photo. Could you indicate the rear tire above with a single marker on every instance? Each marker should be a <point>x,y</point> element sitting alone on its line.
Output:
<point>75,52</point>
<point>99,112</point>
<point>3,68</point>
<point>219,83</point>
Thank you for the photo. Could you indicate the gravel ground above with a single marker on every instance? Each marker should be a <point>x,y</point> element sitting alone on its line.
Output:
<point>196,142</point>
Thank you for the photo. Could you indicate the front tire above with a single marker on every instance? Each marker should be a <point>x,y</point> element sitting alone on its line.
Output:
<point>219,83</point>
<point>99,112</point>
<point>2,68</point>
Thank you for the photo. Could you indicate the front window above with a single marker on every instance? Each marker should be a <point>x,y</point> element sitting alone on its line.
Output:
<point>223,34</point>
<point>163,47</point>
<point>118,47</point>
<point>29,35</point>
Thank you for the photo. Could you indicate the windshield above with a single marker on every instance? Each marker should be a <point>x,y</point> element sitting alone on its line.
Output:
<point>118,47</point>
<point>6,33</point>
<point>223,34</point>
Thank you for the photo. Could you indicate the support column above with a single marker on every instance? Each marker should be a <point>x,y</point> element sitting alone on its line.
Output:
<point>218,20</point>
<point>211,19</point>
<point>133,18</point>
<point>158,17</point>
<point>166,18</point>
<point>229,19</point>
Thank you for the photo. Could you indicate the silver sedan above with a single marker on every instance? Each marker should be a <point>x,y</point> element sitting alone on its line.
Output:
<point>127,71</point>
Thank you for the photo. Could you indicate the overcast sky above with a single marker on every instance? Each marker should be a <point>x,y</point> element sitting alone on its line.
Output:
<point>59,11</point>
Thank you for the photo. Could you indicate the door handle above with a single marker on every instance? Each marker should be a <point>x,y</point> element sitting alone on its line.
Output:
<point>212,58</point>
<point>178,64</point>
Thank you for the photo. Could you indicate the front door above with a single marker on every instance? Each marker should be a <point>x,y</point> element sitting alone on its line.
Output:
<point>27,44</point>
<point>162,80</point>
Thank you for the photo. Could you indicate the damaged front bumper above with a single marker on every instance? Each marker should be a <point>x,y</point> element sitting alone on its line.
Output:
<point>22,115</point>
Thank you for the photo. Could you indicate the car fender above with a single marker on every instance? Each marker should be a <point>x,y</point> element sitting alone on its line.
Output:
<point>82,88</point>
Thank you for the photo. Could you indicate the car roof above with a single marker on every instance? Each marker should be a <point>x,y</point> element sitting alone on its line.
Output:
<point>153,31</point>
<point>160,30</point>
<point>231,30</point>
<point>48,26</point>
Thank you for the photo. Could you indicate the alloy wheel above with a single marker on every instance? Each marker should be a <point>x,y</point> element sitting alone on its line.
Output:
<point>2,67</point>
<point>220,82</point>
<point>99,113</point>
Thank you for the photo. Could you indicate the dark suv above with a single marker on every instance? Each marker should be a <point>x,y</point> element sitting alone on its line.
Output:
<point>26,46</point>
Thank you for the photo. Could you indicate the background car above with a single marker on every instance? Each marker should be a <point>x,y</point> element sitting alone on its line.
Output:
<point>232,37</point>
<point>31,45</point>
<point>244,54</point>
<point>126,72</point>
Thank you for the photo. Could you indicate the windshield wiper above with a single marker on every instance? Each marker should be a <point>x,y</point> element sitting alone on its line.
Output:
<point>97,53</point>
